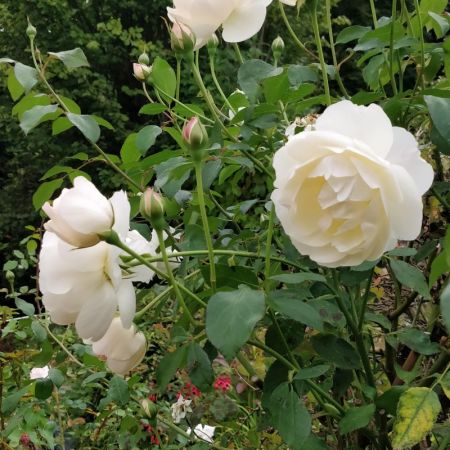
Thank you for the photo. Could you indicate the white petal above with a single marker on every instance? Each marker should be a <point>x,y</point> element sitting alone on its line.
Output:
<point>368,124</point>
<point>121,211</point>
<point>127,303</point>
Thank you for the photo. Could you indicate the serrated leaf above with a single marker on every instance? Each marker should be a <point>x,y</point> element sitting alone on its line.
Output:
<point>231,317</point>
<point>118,390</point>
<point>168,365</point>
<point>93,377</point>
<point>356,418</point>
<point>87,125</point>
<point>311,372</point>
<point>418,341</point>
<point>27,76</point>
<point>289,416</point>
<point>38,114</point>
<point>72,58</point>
<point>417,411</point>
<point>45,191</point>
<point>10,402</point>
<point>410,276</point>
<point>336,350</point>
<point>56,376</point>
<point>39,331</point>
<point>25,307</point>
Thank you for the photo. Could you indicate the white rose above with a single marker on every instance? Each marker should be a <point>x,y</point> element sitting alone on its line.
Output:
<point>81,212</point>
<point>289,2</point>
<point>84,286</point>
<point>39,372</point>
<point>348,189</point>
<point>203,432</point>
<point>240,19</point>
<point>123,348</point>
<point>180,408</point>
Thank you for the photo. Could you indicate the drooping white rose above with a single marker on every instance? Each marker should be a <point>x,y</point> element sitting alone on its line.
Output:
<point>240,19</point>
<point>180,408</point>
<point>123,348</point>
<point>84,286</point>
<point>81,212</point>
<point>37,373</point>
<point>203,432</point>
<point>349,188</point>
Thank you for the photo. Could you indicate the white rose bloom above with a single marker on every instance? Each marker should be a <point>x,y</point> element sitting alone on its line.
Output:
<point>240,19</point>
<point>180,408</point>
<point>39,372</point>
<point>81,212</point>
<point>289,2</point>
<point>84,286</point>
<point>349,189</point>
<point>123,348</point>
<point>203,432</point>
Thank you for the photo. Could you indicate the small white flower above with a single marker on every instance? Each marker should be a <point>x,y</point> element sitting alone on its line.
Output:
<point>39,372</point>
<point>180,408</point>
<point>203,432</point>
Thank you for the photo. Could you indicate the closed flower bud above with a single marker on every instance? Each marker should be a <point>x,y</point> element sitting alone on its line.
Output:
<point>195,135</point>
<point>31,31</point>
<point>277,47</point>
<point>150,408</point>
<point>152,208</point>
<point>182,39</point>
<point>144,59</point>
<point>141,71</point>
<point>212,44</point>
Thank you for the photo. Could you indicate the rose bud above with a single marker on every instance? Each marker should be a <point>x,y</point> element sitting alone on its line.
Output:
<point>144,59</point>
<point>141,71</point>
<point>152,208</point>
<point>277,47</point>
<point>182,39</point>
<point>212,44</point>
<point>195,135</point>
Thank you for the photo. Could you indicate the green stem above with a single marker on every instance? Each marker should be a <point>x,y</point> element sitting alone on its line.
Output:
<point>445,440</point>
<point>60,420</point>
<point>318,40</point>
<point>198,165</point>
<point>173,282</point>
<point>269,248</point>
<point>333,50</point>
<point>422,44</point>
<point>217,84</point>
<point>374,13</point>
<point>246,364</point>
<point>391,48</point>
<point>238,52</point>
<point>177,90</point>
<point>365,299</point>
<point>292,32</point>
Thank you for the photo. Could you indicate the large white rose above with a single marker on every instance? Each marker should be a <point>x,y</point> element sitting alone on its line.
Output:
<point>240,19</point>
<point>123,348</point>
<point>349,188</point>
<point>81,212</point>
<point>85,286</point>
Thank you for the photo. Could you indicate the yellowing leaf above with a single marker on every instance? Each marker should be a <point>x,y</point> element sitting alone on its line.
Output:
<point>417,411</point>
<point>445,384</point>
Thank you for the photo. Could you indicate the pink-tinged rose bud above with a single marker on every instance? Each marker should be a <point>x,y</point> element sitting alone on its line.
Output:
<point>141,71</point>
<point>152,208</point>
<point>194,134</point>
<point>212,44</point>
<point>182,38</point>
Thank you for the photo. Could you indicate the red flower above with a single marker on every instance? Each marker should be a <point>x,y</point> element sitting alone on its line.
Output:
<point>153,398</point>
<point>188,391</point>
<point>222,383</point>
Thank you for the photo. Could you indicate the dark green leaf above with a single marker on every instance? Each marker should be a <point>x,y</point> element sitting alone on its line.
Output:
<point>38,330</point>
<point>231,317</point>
<point>56,376</point>
<point>72,58</point>
<point>43,388</point>
<point>410,276</point>
<point>351,34</point>
<point>356,418</point>
<point>418,341</point>
<point>440,115</point>
<point>93,377</point>
<point>297,278</point>
<point>445,305</point>
<point>168,366</point>
<point>289,416</point>
<point>118,390</point>
<point>199,367</point>
<point>311,372</point>
<point>45,191</point>
<point>10,402</point>
<point>389,399</point>
<point>336,350</point>
<point>147,137</point>
<point>152,109</point>
<point>301,74</point>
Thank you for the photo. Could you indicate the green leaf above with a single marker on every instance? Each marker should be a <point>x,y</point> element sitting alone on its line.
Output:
<point>227,276</point>
<point>445,305</point>
<point>440,24</point>
<point>25,307</point>
<point>389,399</point>
<point>231,317</point>
<point>199,367</point>
<point>43,388</point>
<point>87,125</point>
<point>356,418</point>
<point>289,416</point>
<point>93,377</point>
<point>311,372</point>
<point>56,376</point>
<point>10,402</point>
<point>336,350</point>
<point>252,72</point>
<point>172,174</point>
<point>351,33</point>
<point>170,363</point>
<point>39,331</point>
<point>164,78</point>
<point>301,74</point>
<point>129,152</point>
<point>118,391</point>
<point>27,76</point>
<point>45,191</point>
<point>297,278</point>
<point>417,411</point>
<point>72,58</point>
<point>445,384</point>
<point>439,109</point>
<point>291,305</point>
<point>38,114</point>
<point>410,276</point>
<point>102,122</point>
<point>147,137</point>
<point>152,109</point>
<point>60,125</point>
<point>418,341</point>
<point>14,87</point>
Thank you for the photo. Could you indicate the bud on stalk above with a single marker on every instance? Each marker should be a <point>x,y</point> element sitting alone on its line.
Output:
<point>195,136</point>
<point>182,39</point>
<point>144,59</point>
<point>141,71</point>
<point>212,44</point>
<point>277,47</point>
<point>152,208</point>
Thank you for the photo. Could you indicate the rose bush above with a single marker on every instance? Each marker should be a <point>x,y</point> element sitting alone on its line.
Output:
<point>345,185</point>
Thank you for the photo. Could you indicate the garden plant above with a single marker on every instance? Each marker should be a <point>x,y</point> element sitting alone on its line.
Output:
<point>269,267</point>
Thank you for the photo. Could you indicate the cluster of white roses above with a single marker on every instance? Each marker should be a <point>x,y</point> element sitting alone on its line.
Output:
<point>81,278</point>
